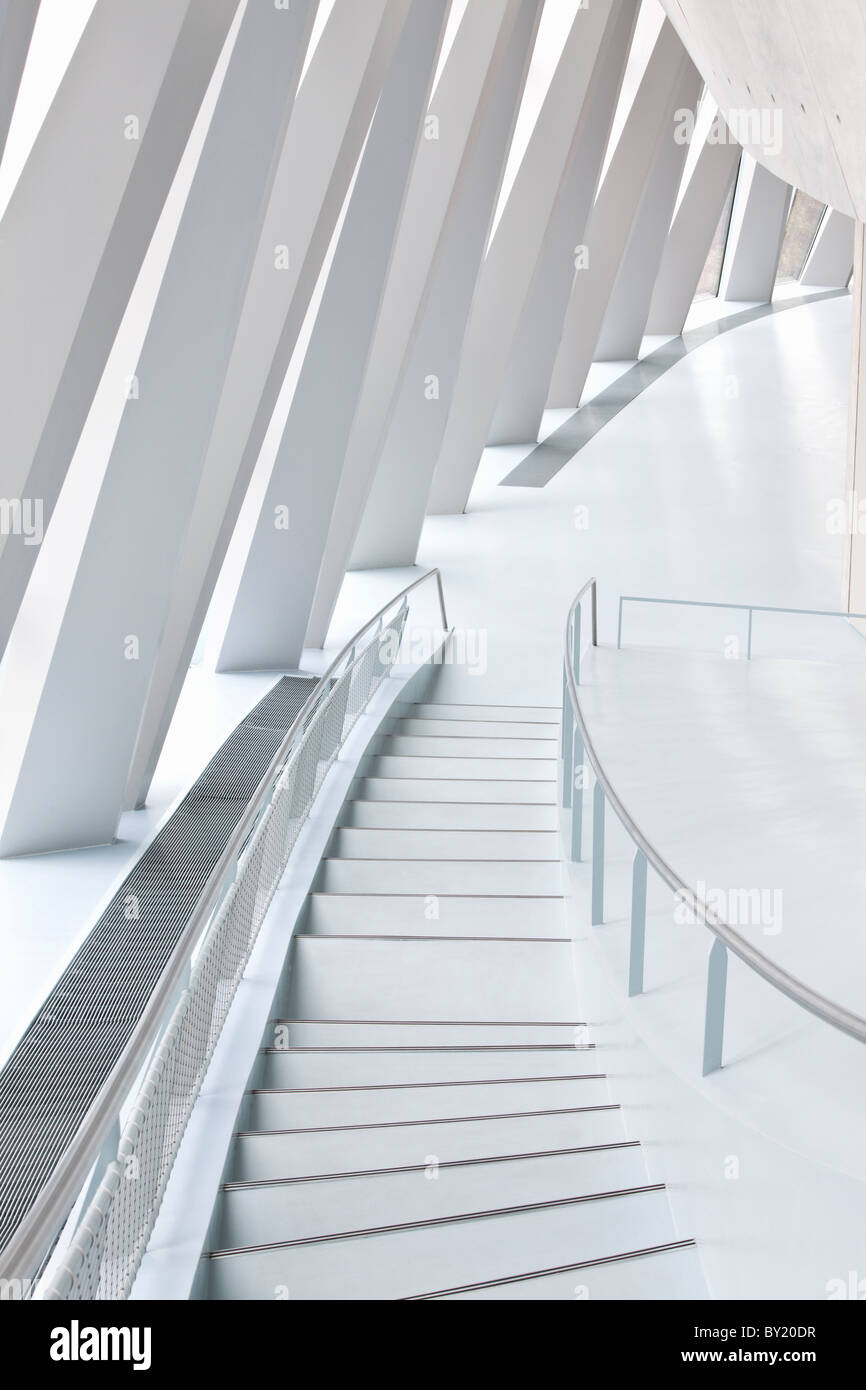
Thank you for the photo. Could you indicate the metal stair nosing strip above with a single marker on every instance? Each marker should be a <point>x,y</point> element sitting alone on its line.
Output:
<point>429,859</point>
<point>397,936</point>
<point>430,1222</point>
<point>449,719</point>
<point>444,1047</point>
<point>435,1022</point>
<point>410,1124</point>
<point>255,1183</point>
<point>423,1085</point>
<point>666,1247</point>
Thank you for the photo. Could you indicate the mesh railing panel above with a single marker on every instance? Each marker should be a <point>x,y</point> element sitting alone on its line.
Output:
<point>110,1241</point>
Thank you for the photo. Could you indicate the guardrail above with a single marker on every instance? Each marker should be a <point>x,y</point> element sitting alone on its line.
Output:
<point>205,969</point>
<point>750,608</point>
<point>578,752</point>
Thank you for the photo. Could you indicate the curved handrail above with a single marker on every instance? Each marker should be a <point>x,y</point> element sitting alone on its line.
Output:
<point>797,990</point>
<point>32,1240</point>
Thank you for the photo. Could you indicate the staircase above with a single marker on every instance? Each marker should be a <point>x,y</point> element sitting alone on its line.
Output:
<point>431,1117</point>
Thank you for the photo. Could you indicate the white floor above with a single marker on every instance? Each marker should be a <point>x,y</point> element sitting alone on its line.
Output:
<point>714,484</point>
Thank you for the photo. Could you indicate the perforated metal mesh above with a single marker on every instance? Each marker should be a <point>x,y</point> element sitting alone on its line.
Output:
<point>112,1237</point>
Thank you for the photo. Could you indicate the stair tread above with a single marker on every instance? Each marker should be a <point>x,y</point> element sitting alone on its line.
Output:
<point>410,1263</point>
<point>434,877</point>
<point>441,725</point>
<point>258,1157</point>
<point>465,747</point>
<point>296,1110</point>
<point>415,786</point>
<point>421,1033</point>
<point>454,914</point>
<point>541,713</point>
<point>368,843</point>
<point>539,771</point>
<point>666,1275</point>
<point>461,981</point>
<point>417,815</point>
<point>401,1068</point>
<point>257,1215</point>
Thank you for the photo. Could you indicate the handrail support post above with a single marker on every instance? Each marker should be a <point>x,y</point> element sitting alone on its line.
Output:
<point>577,767</point>
<point>441,601</point>
<point>567,741</point>
<point>638,925</point>
<point>714,1023</point>
<point>576,645</point>
<point>598,854</point>
<point>107,1155</point>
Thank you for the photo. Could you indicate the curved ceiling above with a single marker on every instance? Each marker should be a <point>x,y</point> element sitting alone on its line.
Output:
<point>789,73</point>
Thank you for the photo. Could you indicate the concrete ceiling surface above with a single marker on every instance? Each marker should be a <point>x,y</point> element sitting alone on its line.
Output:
<point>789,74</point>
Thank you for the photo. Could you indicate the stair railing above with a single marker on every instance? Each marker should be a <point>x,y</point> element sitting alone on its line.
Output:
<point>133,1129</point>
<point>580,753</point>
<point>750,608</point>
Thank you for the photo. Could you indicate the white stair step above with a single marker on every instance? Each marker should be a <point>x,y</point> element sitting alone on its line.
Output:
<point>280,1069</point>
<point>403,745</point>
<point>533,714</point>
<point>257,1215</point>
<point>667,1275</point>
<point>288,1110</point>
<point>475,981</point>
<point>414,815</point>
<point>445,844</point>
<point>306,1032</point>
<point>414,915</point>
<point>262,1157</point>
<point>541,772</point>
<point>414,1262</point>
<point>432,877</point>
<point>417,787</point>
<point>439,726</point>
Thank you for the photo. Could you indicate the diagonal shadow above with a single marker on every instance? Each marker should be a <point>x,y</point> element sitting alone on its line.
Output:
<point>547,458</point>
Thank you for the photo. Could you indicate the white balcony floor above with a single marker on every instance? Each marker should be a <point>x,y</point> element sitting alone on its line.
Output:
<point>748,778</point>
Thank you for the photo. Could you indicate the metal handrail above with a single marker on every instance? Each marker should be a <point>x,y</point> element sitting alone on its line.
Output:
<point>750,608</point>
<point>34,1237</point>
<point>845,1020</point>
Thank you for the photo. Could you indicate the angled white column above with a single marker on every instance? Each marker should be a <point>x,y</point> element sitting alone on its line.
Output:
<point>269,620</point>
<point>453,192</point>
<point>645,138</point>
<point>523,394</point>
<point>629,304</point>
<point>760,212</point>
<point>102,164</point>
<point>831,259</point>
<point>324,140</point>
<point>692,231</point>
<point>78,738</point>
<point>511,262</point>
<point>17,20</point>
